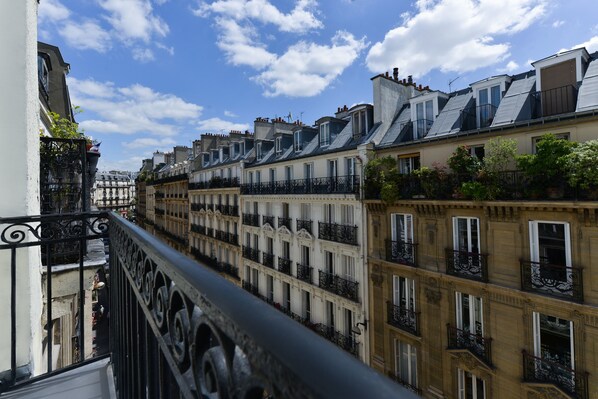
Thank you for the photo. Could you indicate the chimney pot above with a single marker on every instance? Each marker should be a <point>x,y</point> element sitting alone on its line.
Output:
<point>404,81</point>
<point>410,79</point>
<point>386,74</point>
<point>395,73</point>
<point>420,87</point>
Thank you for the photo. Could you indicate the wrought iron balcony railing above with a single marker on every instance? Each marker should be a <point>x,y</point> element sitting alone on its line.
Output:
<point>229,269</point>
<point>285,266</point>
<point>179,330</point>
<point>317,185</point>
<point>169,179</point>
<point>476,344</point>
<point>230,210</point>
<point>195,228</point>
<point>543,371</point>
<point>215,182</point>
<point>251,220</point>
<point>159,211</point>
<point>469,265</point>
<point>406,384</point>
<point>210,231</point>
<point>403,318</point>
<point>348,343</point>
<point>401,252</point>
<point>305,273</point>
<point>305,225</point>
<point>251,254</point>
<point>268,220</point>
<point>554,280</point>
<point>286,222</point>
<point>209,261</point>
<point>268,260</point>
<point>337,232</point>
<point>560,100</point>
<point>340,286</point>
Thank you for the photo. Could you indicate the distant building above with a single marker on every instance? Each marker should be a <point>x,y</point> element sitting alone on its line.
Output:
<point>114,191</point>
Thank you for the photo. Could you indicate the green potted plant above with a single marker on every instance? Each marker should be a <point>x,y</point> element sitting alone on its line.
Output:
<point>582,167</point>
<point>382,179</point>
<point>546,169</point>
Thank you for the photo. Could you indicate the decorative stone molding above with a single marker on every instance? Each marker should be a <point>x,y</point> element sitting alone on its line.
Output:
<point>502,213</point>
<point>305,235</point>
<point>377,279</point>
<point>376,206</point>
<point>544,392</point>
<point>433,296</point>
<point>466,361</point>
<point>430,210</point>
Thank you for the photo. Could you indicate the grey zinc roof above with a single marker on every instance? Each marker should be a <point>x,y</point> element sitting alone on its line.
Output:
<point>343,137</point>
<point>448,120</point>
<point>588,92</point>
<point>311,146</point>
<point>511,106</point>
<point>392,134</point>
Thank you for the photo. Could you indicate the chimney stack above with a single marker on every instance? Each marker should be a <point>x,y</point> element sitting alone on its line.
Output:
<point>410,79</point>
<point>395,73</point>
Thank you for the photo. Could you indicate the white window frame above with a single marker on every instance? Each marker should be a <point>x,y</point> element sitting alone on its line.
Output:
<point>534,243</point>
<point>407,230</point>
<point>461,376</point>
<point>278,144</point>
<point>403,287</point>
<point>469,233</point>
<point>258,151</point>
<point>325,134</point>
<point>475,316</point>
<point>538,340</point>
<point>410,358</point>
<point>297,145</point>
<point>348,267</point>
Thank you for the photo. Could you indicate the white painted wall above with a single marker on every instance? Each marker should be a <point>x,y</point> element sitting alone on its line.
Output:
<point>19,170</point>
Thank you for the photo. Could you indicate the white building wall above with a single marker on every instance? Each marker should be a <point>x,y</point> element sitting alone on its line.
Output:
<point>19,170</point>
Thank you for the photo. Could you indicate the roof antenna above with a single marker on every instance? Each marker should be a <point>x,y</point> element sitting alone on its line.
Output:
<point>290,117</point>
<point>450,83</point>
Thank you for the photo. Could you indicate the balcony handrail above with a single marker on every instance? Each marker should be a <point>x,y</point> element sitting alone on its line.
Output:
<point>538,369</point>
<point>199,307</point>
<point>343,233</point>
<point>401,252</point>
<point>316,185</point>
<point>402,317</point>
<point>469,265</point>
<point>477,344</point>
<point>561,281</point>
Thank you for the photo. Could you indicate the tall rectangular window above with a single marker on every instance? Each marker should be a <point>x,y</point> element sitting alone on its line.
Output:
<point>401,227</point>
<point>403,292</point>
<point>270,288</point>
<point>258,151</point>
<point>324,134</point>
<point>408,164</point>
<point>347,215</point>
<point>550,247</point>
<point>348,264</point>
<point>553,339</point>
<point>306,307</point>
<point>470,385</point>
<point>329,213</point>
<point>305,255</point>
<point>332,168</point>
<point>272,175</point>
<point>286,295</point>
<point>470,313</point>
<point>406,363</point>
<point>297,145</point>
<point>330,314</point>
<point>348,327</point>
<point>466,234</point>
<point>278,145</point>
<point>328,262</point>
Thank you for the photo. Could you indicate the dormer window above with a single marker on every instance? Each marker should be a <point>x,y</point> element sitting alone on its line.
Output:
<point>488,101</point>
<point>258,151</point>
<point>221,154</point>
<point>424,118</point>
<point>325,134</point>
<point>278,145</point>
<point>297,145</point>
<point>42,73</point>
<point>359,123</point>
<point>231,150</point>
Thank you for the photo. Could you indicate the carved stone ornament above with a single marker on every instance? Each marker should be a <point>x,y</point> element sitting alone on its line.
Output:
<point>284,230</point>
<point>377,279</point>
<point>546,393</point>
<point>433,296</point>
<point>304,234</point>
<point>267,228</point>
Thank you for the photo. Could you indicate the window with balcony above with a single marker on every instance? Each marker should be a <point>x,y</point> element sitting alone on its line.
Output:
<point>348,267</point>
<point>401,311</point>
<point>270,288</point>
<point>405,364</point>
<point>332,168</point>
<point>470,386</point>
<point>288,173</point>
<point>347,215</point>
<point>328,262</point>
<point>359,122</point>
<point>330,314</point>
<point>488,101</point>
<point>469,314</point>
<point>553,339</point>
<point>286,295</point>
<point>324,134</point>
<point>308,171</point>
<point>348,325</point>
<point>272,173</point>
<point>329,213</point>
<point>408,164</point>
<point>465,260</point>
<point>306,305</point>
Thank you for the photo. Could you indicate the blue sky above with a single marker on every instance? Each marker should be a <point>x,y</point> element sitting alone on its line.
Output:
<point>150,74</point>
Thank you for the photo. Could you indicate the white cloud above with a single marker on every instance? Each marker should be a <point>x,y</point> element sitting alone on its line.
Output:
<point>306,69</point>
<point>300,20</point>
<point>169,50</point>
<point>130,110</point>
<point>52,11</point>
<point>217,125</point>
<point>143,54</point>
<point>230,114</point>
<point>511,67</point>
<point>134,19</point>
<point>146,142</point>
<point>130,164</point>
<point>591,45</point>
<point>453,35</point>
<point>558,23</point>
<point>87,35</point>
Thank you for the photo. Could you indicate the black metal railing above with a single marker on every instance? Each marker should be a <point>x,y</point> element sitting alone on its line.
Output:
<point>338,285</point>
<point>207,260</point>
<point>285,265</point>
<point>401,252</point>
<point>305,273</point>
<point>556,101</point>
<point>555,280</point>
<point>230,210</point>
<point>210,231</point>
<point>247,286</point>
<point>406,384</point>
<point>268,220</point>
<point>305,225</point>
<point>474,343</point>
<point>542,371</point>
<point>196,228</point>
<point>286,222</point>
<point>229,269</point>
<point>251,254</point>
<point>251,220</point>
<point>169,179</point>
<point>402,317</point>
<point>316,185</point>
<point>215,182</point>
<point>159,212</point>
<point>345,234</point>
<point>51,233</point>
<point>469,265</point>
<point>196,207</point>
<point>347,343</point>
<point>268,260</point>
